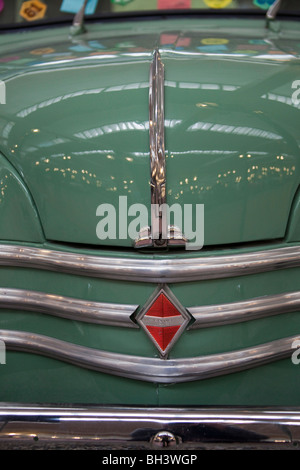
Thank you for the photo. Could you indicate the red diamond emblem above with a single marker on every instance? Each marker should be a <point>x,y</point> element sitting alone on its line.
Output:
<point>163,319</point>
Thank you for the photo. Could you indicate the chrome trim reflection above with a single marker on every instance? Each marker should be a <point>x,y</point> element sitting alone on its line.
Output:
<point>150,369</point>
<point>260,307</point>
<point>36,426</point>
<point>68,307</point>
<point>147,269</point>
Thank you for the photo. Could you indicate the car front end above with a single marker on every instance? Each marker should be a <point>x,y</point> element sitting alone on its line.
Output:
<point>150,229</point>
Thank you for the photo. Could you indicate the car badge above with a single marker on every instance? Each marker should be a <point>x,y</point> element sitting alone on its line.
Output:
<point>164,319</point>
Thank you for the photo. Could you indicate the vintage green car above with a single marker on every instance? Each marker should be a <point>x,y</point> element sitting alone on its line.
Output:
<point>150,224</point>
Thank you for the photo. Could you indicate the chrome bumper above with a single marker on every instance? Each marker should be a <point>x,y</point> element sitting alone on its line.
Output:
<point>49,427</point>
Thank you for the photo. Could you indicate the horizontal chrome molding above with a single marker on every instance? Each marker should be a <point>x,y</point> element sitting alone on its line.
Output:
<point>150,369</point>
<point>149,269</point>
<point>136,428</point>
<point>260,307</point>
<point>68,307</point>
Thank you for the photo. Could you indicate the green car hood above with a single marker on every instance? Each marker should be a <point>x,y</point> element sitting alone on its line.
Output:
<point>76,123</point>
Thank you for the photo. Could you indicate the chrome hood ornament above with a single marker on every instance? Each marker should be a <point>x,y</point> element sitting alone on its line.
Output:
<point>158,235</point>
<point>157,131</point>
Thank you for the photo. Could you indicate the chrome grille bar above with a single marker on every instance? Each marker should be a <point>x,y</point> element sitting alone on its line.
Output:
<point>260,307</point>
<point>103,313</point>
<point>150,369</point>
<point>68,307</point>
<point>147,269</point>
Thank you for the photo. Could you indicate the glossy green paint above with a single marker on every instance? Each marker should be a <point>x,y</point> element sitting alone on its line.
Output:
<point>18,215</point>
<point>69,164</point>
<point>78,113</point>
<point>293,233</point>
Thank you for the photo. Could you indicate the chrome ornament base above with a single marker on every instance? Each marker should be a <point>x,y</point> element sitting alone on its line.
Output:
<point>146,240</point>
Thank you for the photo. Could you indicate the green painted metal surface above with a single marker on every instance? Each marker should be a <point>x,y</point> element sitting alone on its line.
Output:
<point>78,114</point>
<point>18,215</point>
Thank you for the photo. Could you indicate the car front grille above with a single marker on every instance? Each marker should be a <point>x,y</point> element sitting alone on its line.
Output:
<point>148,269</point>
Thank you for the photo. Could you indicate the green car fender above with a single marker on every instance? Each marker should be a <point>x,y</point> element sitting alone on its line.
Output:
<point>18,214</point>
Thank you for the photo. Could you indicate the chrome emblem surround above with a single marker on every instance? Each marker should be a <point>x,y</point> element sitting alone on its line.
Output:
<point>176,323</point>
